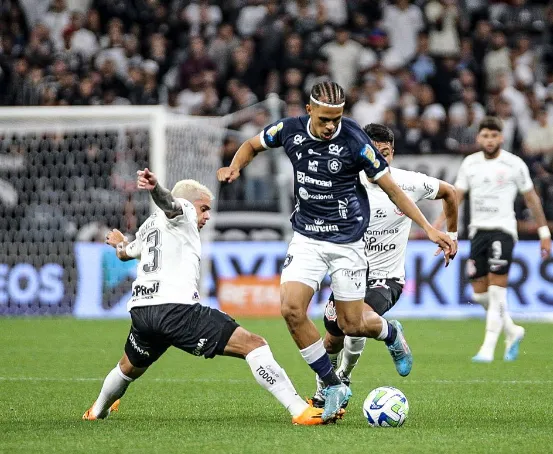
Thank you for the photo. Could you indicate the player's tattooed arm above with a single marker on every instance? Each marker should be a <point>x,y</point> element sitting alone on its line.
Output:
<point>161,196</point>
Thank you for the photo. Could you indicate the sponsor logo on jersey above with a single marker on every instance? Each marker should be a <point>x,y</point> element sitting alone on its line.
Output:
<point>353,274</point>
<point>382,232</point>
<point>330,311</point>
<point>343,208</point>
<point>369,154</point>
<point>313,166</point>
<point>372,245</point>
<point>199,348</point>
<point>319,226</point>
<point>195,296</point>
<point>306,196</point>
<point>143,291</point>
<point>334,165</point>
<point>299,139</point>
<point>298,155</point>
<point>407,187</point>
<point>272,131</point>
<point>334,149</point>
<point>380,213</point>
<point>311,151</point>
<point>287,260</point>
<point>306,179</point>
<point>136,347</point>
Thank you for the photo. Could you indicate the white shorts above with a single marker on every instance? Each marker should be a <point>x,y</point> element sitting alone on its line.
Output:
<point>308,261</point>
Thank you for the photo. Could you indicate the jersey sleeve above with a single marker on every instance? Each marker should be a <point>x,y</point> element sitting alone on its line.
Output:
<point>523,181</point>
<point>427,187</point>
<point>462,181</point>
<point>272,135</point>
<point>372,162</point>
<point>134,248</point>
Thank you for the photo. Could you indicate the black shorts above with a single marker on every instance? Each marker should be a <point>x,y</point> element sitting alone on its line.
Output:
<point>491,251</point>
<point>196,329</point>
<point>381,296</point>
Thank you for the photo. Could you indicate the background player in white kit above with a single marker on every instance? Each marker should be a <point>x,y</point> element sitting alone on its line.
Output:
<point>386,242</point>
<point>492,177</point>
<point>164,305</point>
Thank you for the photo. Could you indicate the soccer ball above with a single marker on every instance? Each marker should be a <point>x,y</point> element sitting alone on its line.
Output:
<point>386,407</point>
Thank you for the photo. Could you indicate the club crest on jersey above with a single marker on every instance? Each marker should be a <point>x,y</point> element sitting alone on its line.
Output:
<point>195,296</point>
<point>303,193</point>
<point>313,166</point>
<point>272,131</point>
<point>330,311</point>
<point>287,260</point>
<point>369,154</point>
<point>299,139</point>
<point>334,165</point>
<point>334,149</point>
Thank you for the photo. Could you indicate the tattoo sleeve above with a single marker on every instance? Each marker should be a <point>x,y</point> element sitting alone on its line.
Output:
<point>164,199</point>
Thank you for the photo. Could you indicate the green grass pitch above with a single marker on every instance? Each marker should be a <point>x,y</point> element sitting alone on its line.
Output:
<point>51,371</point>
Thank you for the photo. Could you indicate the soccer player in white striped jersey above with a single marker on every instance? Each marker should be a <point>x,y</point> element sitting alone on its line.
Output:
<point>165,309</point>
<point>493,177</point>
<point>385,242</point>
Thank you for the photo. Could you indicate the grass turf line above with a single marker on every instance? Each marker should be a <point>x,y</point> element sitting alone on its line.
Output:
<point>51,371</point>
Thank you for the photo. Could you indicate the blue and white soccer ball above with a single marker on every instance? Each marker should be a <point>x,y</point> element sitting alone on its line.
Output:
<point>386,407</point>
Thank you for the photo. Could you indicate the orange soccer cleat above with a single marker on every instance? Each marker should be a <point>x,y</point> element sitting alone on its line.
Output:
<point>88,416</point>
<point>313,417</point>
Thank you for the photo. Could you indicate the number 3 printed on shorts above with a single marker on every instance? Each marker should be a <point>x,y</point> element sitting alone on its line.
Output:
<point>153,240</point>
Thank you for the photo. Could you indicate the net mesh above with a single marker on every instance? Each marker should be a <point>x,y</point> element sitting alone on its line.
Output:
<point>66,180</point>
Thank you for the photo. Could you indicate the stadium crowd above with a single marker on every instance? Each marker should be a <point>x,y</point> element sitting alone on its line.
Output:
<point>428,69</point>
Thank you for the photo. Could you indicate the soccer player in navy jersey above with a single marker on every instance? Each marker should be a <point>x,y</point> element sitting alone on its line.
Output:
<point>331,215</point>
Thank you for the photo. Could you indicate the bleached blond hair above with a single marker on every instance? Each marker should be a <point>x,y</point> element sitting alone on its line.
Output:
<point>191,190</point>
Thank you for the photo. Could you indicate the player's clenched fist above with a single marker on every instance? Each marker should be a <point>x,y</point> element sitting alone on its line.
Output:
<point>227,174</point>
<point>114,237</point>
<point>146,179</point>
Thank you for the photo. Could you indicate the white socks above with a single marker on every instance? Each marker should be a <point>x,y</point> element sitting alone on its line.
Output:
<point>115,385</point>
<point>384,332</point>
<point>272,377</point>
<point>353,347</point>
<point>494,319</point>
<point>497,317</point>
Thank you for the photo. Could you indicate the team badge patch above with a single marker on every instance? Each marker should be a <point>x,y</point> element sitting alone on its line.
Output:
<point>368,153</point>
<point>334,165</point>
<point>330,311</point>
<point>287,260</point>
<point>272,131</point>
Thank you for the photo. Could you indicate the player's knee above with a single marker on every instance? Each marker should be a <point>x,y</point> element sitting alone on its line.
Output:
<point>291,312</point>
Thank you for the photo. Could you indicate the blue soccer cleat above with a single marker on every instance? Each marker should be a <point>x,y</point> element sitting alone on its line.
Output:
<point>512,345</point>
<point>400,351</point>
<point>335,397</point>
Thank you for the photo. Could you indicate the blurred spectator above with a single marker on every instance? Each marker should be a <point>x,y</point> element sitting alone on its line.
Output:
<point>57,18</point>
<point>343,57</point>
<point>403,22</point>
<point>202,17</point>
<point>497,61</point>
<point>250,17</point>
<point>221,48</point>
<point>443,17</point>
<point>369,109</point>
<point>83,41</point>
<point>196,62</point>
<point>423,66</point>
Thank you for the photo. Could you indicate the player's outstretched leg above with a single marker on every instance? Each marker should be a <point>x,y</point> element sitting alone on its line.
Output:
<point>115,385</point>
<point>295,298</point>
<point>272,377</point>
<point>353,347</point>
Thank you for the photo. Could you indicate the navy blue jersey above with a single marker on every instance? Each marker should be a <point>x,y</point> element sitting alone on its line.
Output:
<point>331,203</point>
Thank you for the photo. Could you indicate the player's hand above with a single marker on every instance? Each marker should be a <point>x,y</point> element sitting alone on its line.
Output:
<point>451,254</point>
<point>146,179</point>
<point>227,174</point>
<point>114,237</point>
<point>545,247</point>
<point>445,243</point>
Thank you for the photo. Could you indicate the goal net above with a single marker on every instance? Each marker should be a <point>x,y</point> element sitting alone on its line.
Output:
<point>67,174</point>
